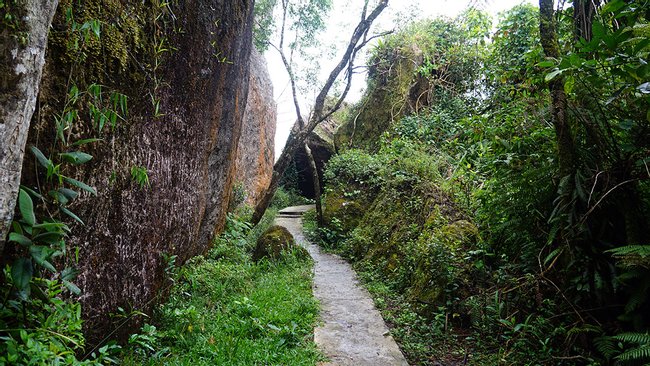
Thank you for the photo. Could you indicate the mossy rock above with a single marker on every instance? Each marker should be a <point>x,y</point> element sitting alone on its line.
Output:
<point>275,241</point>
<point>442,260</point>
<point>348,211</point>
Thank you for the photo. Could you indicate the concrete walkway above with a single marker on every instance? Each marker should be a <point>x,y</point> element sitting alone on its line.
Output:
<point>352,330</point>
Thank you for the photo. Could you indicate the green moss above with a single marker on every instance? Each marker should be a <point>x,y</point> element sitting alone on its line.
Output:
<point>386,101</point>
<point>346,210</point>
<point>274,241</point>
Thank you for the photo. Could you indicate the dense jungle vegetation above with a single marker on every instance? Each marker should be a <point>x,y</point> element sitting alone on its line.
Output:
<point>492,188</point>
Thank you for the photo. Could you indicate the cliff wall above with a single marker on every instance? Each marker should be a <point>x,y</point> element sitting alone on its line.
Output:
<point>184,67</point>
<point>255,156</point>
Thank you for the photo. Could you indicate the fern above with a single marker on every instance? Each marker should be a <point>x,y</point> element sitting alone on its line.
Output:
<point>641,352</point>
<point>639,338</point>
<point>638,297</point>
<point>632,255</point>
<point>636,354</point>
<point>637,250</point>
<point>606,347</point>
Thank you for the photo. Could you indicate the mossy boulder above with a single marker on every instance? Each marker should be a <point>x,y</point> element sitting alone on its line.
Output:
<point>342,212</point>
<point>442,251</point>
<point>274,241</point>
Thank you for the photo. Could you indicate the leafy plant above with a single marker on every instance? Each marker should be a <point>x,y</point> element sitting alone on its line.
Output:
<point>639,352</point>
<point>227,309</point>
<point>140,175</point>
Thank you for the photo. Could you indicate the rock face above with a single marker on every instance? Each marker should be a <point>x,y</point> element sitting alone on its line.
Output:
<point>255,156</point>
<point>186,105</point>
<point>395,90</point>
<point>321,143</point>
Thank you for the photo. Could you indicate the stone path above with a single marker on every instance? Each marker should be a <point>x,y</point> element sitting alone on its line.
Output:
<point>352,330</point>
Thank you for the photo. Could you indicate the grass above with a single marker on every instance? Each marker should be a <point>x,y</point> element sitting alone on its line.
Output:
<point>226,309</point>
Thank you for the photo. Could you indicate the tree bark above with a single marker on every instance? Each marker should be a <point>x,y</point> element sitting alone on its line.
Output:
<point>357,41</point>
<point>20,75</point>
<point>314,174</point>
<point>583,16</point>
<point>563,135</point>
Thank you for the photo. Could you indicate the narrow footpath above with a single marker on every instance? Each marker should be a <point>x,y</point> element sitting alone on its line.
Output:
<point>352,331</point>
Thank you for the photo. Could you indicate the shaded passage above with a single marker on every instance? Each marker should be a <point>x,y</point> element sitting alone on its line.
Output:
<point>352,331</point>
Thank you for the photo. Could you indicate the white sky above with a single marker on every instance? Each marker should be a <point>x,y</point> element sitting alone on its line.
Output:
<point>344,16</point>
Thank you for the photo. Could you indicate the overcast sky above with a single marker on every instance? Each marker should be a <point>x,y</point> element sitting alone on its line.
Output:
<point>344,16</point>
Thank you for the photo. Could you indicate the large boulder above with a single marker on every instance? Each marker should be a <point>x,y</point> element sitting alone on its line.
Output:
<point>255,155</point>
<point>185,69</point>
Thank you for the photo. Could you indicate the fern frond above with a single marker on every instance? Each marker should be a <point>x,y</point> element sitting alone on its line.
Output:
<point>639,338</point>
<point>637,250</point>
<point>635,354</point>
<point>632,255</point>
<point>606,347</point>
<point>637,298</point>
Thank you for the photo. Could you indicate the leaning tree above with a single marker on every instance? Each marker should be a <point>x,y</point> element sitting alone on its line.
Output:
<point>320,110</point>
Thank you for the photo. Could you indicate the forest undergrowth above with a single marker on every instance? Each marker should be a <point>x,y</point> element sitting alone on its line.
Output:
<point>226,309</point>
<point>484,238</point>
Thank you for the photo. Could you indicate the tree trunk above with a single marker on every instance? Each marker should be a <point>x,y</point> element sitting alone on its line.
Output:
<point>563,135</point>
<point>314,174</point>
<point>22,54</point>
<point>583,16</point>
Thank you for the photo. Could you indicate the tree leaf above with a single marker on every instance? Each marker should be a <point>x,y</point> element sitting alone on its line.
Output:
<point>58,197</point>
<point>547,63</point>
<point>76,157</point>
<point>551,75</point>
<point>21,273</point>
<point>69,274</point>
<point>41,256</point>
<point>71,214</point>
<point>85,141</point>
<point>26,206</point>
<point>69,193</point>
<point>53,226</point>
<point>95,25</point>
<point>569,83</point>
<point>45,162</point>
<point>72,287</point>
<point>613,6</point>
<point>31,192</point>
<point>81,185</point>
<point>20,239</point>
<point>599,30</point>
<point>48,237</point>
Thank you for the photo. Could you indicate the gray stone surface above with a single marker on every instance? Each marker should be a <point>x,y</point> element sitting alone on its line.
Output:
<point>352,331</point>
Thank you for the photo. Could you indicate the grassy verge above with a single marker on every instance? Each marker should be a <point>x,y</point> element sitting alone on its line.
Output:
<point>226,309</point>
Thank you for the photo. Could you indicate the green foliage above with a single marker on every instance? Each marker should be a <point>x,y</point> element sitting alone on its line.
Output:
<point>641,350</point>
<point>287,197</point>
<point>514,53</point>
<point>42,329</point>
<point>307,19</point>
<point>40,320</point>
<point>140,175</point>
<point>227,309</point>
<point>264,23</point>
<point>492,156</point>
<point>11,13</point>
